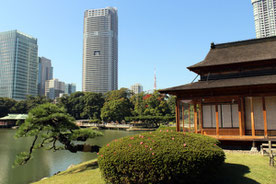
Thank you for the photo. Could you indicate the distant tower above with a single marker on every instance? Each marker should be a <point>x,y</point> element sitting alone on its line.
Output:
<point>264,17</point>
<point>154,87</point>
<point>100,50</point>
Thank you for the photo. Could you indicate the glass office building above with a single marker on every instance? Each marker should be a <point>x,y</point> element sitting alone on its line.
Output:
<point>100,50</point>
<point>45,72</point>
<point>18,65</point>
<point>264,17</point>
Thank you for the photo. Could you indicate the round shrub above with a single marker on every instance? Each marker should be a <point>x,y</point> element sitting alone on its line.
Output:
<point>162,156</point>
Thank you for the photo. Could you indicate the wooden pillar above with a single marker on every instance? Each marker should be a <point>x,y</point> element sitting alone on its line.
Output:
<point>240,116</point>
<point>264,114</point>
<point>195,118</point>
<point>201,118</point>
<point>252,117</point>
<point>177,116</point>
<point>217,121</point>
<point>183,117</point>
<point>189,116</point>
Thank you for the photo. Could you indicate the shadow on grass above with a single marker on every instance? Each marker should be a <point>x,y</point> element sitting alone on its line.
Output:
<point>234,174</point>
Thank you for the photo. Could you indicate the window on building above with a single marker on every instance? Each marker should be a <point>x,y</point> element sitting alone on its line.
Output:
<point>97,53</point>
<point>227,115</point>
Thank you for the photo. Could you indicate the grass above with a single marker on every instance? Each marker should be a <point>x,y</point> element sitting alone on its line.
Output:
<point>247,169</point>
<point>238,168</point>
<point>84,173</point>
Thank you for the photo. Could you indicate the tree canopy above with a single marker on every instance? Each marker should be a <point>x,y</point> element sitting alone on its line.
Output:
<point>49,125</point>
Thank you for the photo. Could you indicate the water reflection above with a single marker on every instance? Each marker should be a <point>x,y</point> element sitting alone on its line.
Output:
<point>45,163</point>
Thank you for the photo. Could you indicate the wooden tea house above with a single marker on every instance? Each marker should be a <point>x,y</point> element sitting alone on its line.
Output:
<point>235,97</point>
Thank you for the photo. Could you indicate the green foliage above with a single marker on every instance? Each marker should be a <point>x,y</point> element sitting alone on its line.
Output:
<point>154,104</point>
<point>97,121</point>
<point>163,156</point>
<point>49,124</point>
<point>93,102</point>
<point>152,121</point>
<point>118,94</point>
<point>83,105</point>
<point>8,105</point>
<point>139,105</point>
<point>117,105</point>
<point>171,103</point>
<point>5,106</point>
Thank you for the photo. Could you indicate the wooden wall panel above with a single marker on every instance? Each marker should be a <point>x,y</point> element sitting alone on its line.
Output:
<point>222,131</point>
<point>271,112</point>
<point>258,113</point>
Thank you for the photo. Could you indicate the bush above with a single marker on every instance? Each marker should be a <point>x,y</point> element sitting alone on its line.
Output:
<point>162,156</point>
<point>151,121</point>
<point>96,121</point>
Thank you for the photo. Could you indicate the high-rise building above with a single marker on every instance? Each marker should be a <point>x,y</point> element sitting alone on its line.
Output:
<point>265,17</point>
<point>137,88</point>
<point>18,65</point>
<point>100,50</point>
<point>53,88</point>
<point>45,72</point>
<point>70,88</point>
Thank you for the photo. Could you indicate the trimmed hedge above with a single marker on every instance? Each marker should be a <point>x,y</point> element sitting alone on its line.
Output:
<point>162,156</point>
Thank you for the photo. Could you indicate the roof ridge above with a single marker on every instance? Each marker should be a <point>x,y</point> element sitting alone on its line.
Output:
<point>243,42</point>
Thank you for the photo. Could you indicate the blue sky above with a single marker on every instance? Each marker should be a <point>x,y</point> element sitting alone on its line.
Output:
<point>168,35</point>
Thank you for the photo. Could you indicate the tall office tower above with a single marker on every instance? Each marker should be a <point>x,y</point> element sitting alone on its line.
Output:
<point>100,50</point>
<point>265,17</point>
<point>53,88</point>
<point>70,88</point>
<point>18,65</point>
<point>136,88</point>
<point>45,72</point>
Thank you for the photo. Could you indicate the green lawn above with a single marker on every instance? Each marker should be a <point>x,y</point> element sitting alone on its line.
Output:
<point>247,169</point>
<point>84,173</point>
<point>240,168</point>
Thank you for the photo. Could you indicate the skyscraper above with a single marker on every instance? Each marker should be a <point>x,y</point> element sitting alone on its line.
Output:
<point>100,50</point>
<point>265,17</point>
<point>18,65</point>
<point>70,88</point>
<point>53,88</point>
<point>136,88</point>
<point>45,72</point>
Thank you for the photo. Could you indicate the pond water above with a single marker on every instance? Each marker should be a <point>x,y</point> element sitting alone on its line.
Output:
<point>45,163</point>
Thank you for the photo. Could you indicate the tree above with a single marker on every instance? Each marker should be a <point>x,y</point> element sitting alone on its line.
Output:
<point>83,105</point>
<point>117,105</point>
<point>93,104</point>
<point>172,102</point>
<point>5,105</point>
<point>74,104</point>
<point>33,101</point>
<point>116,110</point>
<point>139,104</point>
<point>52,127</point>
<point>156,104</point>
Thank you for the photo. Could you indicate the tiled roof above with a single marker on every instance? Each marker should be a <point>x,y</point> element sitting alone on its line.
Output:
<point>223,83</point>
<point>239,52</point>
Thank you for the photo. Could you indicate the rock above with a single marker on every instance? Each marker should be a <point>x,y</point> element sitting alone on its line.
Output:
<point>44,178</point>
<point>57,173</point>
<point>70,166</point>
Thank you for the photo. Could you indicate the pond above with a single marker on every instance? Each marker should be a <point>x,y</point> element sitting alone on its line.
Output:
<point>45,163</point>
